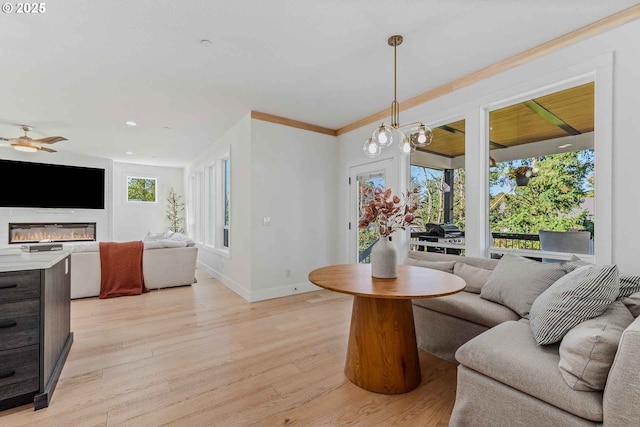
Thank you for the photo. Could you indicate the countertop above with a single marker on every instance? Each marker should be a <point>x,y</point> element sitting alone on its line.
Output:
<point>16,260</point>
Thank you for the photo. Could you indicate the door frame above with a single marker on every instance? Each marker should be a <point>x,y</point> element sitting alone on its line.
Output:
<point>384,164</point>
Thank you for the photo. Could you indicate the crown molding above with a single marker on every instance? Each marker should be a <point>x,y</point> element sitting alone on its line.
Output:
<point>292,123</point>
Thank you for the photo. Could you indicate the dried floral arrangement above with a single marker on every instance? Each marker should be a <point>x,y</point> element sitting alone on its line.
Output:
<point>389,212</point>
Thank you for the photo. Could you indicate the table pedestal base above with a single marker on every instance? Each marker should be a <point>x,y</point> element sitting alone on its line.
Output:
<point>382,355</point>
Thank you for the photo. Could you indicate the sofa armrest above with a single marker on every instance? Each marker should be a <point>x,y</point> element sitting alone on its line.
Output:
<point>622,392</point>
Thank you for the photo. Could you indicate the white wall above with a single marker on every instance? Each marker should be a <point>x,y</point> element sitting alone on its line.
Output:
<point>102,217</point>
<point>232,269</point>
<point>288,175</point>
<point>561,65</point>
<point>293,181</point>
<point>133,220</point>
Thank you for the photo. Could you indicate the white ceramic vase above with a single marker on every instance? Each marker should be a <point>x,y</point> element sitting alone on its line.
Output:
<point>384,259</point>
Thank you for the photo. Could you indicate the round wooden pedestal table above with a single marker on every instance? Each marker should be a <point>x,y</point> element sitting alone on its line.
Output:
<point>382,355</point>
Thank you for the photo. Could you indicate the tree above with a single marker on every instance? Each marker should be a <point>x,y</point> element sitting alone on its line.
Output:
<point>433,192</point>
<point>459,207</point>
<point>550,199</point>
<point>175,211</point>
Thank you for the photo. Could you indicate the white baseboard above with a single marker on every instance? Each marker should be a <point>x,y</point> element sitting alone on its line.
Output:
<point>260,295</point>
<point>229,283</point>
<point>283,291</point>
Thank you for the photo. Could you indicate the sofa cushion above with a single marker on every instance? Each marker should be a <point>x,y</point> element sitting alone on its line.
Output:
<point>509,354</point>
<point>446,266</point>
<point>83,247</point>
<point>170,235</point>
<point>485,263</point>
<point>469,306</point>
<point>157,236</point>
<point>159,244</point>
<point>574,263</point>
<point>516,282</point>
<point>632,302</point>
<point>179,237</point>
<point>580,295</point>
<point>474,276</point>
<point>588,350</point>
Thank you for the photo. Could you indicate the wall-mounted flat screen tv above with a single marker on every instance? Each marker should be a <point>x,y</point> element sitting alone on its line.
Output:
<point>40,185</point>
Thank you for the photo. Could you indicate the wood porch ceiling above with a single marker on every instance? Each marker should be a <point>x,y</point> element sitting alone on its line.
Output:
<point>568,112</point>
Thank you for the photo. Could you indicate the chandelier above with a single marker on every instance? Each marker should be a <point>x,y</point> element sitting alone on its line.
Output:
<point>419,135</point>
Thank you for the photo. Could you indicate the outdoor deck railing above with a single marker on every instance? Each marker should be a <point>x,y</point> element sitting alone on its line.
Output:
<point>364,256</point>
<point>516,240</point>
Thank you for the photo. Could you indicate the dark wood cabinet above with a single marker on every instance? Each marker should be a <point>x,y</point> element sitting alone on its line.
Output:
<point>35,336</point>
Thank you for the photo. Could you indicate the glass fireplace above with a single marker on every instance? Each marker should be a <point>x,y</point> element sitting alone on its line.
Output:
<point>36,232</point>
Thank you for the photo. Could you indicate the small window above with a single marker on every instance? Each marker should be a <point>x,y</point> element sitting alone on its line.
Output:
<point>141,189</point>
<point>226,194</point>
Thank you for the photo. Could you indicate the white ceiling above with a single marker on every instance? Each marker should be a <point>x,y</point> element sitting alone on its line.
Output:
<point>83,68</point>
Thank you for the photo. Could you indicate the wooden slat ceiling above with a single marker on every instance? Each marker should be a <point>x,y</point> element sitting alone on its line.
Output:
<point>519,124</point>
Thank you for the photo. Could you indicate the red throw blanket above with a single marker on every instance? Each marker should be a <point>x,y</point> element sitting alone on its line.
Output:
<point>121,269</point>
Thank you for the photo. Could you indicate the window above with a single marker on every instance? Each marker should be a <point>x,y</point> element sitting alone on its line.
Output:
<point>141,189</point>
<point>542,174</point>
<point>367,237</point>
<point>226,190</point>
<point>199,206</point>
<point>208,207</point>
<point>439,171</point>
<point>211,205</point>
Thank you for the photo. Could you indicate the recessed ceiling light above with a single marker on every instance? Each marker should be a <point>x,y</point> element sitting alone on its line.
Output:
<point>205,42</point>
<point>167,127</point>
<point>131,123</point>
<point>129,152</point>
<point>564,145</point>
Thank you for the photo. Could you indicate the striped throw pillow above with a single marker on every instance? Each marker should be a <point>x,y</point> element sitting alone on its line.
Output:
<point>578,296</point>
<point>629,285</point>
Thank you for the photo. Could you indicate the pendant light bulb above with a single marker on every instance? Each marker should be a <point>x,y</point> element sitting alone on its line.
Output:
<point>383,136</point>
<point>422,137</point>
<point>371,149</point>
<point>406,148</point>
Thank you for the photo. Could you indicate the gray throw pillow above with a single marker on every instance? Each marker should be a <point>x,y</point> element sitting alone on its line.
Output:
<point>517,281</point>
<point>474,276</point>
<point>581,295</point>
<point>588,350</point>
<point>632,302</point>
<point>446,266</point>
<point>574,263</point>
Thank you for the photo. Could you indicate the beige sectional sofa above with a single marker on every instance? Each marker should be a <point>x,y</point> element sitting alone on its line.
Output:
<point>162,267</point>
<point>504,377</point>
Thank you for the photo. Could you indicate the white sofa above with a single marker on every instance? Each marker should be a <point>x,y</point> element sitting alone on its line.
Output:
<point>162,268</point>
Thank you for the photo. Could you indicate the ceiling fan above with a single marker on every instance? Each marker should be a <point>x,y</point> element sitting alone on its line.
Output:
<point>29,145</point>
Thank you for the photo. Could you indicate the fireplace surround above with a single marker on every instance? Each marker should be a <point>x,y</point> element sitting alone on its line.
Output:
<point>35,232</point>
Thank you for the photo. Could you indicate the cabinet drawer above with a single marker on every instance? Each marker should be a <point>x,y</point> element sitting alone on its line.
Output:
<point>18,285</point>
<point>19,371</point>
<point>19,324</point>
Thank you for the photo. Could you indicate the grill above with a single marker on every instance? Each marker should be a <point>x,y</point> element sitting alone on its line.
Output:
<point>447,234</point>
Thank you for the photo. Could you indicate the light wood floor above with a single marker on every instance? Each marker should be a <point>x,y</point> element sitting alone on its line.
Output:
<point>201,355</point>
